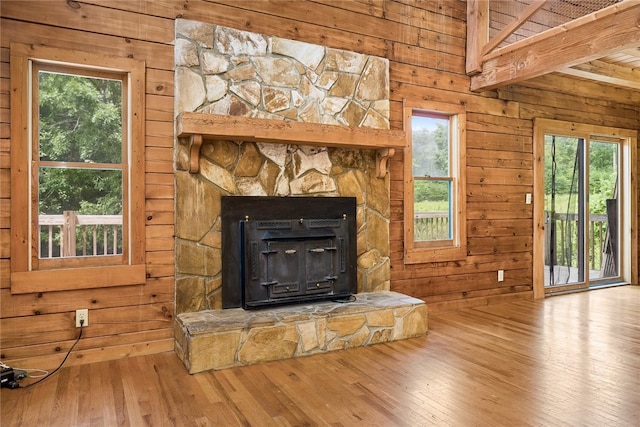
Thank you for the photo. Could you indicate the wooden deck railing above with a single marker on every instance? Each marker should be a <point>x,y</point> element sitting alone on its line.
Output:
<point>567,241</point>
<point>79,235</point>
<point>431,226</point>
<point>435,225</point>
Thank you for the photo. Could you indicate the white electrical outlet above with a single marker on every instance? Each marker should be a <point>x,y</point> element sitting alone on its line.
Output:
<point>500,275</point>
<point>527,198</point>
<point>82,314</point>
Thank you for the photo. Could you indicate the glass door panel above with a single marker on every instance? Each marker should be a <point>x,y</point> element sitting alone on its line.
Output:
<point>564,205</point>
<point>604,259</point>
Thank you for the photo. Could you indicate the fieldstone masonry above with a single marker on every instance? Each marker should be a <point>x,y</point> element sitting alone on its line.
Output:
<point>218,339</point>
<point>220,70</point>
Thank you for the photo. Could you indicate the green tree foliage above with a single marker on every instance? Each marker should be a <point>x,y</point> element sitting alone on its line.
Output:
<point>430,151</point>
<point>430,158</point>
<point>80,121</point>
<point>603,173</point>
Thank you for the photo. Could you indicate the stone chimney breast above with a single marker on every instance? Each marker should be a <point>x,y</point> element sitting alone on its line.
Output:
<point>225,71</point>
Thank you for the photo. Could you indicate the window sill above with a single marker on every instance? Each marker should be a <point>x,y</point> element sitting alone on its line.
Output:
<point>68,279</point>
<point>425,255</point>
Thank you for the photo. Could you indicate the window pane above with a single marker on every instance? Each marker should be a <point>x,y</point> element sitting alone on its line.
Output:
<point>604,257</point>
<point>430,150</point>
<point>85,203</point>
<point>432,210</point>
<point>80,118</point>
<point>86,191</point>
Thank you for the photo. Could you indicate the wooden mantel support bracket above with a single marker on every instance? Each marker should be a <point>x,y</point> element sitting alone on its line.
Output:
<point>193,128</point>
<point>382,161</point>
<point>195,142</point>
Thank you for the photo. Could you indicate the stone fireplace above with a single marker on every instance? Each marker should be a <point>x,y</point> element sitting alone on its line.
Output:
<point>223,72</point>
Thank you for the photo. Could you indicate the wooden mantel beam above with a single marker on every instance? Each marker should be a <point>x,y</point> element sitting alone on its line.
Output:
<point>194,128</point>
<point>581,40</point>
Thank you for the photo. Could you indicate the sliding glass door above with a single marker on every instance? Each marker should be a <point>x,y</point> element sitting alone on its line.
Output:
<point>583,243</point>
<point>581,210</point>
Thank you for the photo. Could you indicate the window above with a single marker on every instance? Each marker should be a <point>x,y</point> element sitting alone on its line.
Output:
<point>434,183</point>
<point>77,176</point>
<point>79,159</point>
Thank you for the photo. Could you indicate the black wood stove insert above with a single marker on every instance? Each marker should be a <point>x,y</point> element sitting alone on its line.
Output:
<point>285,250</point>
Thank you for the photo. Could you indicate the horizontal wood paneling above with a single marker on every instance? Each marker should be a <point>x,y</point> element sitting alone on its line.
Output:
<point>160,134</point>
<point>155,55</point>
<point>154,291</point>
<point>499,174</point>
<point>160,82</point>
<point>160,217</point>
<point>83,16</point>
<point>5,274</point>
<point>483,193</point>
<point>128,345</point>
<point>5,216</point>
<point>4,130</point>
<point>160,264</point>
<point>469,265</point>
<point>122,320</point>
<point>282,21</point>
<point>160,108</point>
<point>346,20</point>
<point>107,322</point>
<point>499,227</point>
<point>499,159</point>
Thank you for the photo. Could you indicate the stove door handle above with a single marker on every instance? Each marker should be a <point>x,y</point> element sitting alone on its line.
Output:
<point>273,282</point>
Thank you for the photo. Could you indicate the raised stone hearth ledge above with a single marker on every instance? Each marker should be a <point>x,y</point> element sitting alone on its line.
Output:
<point>219,339</point>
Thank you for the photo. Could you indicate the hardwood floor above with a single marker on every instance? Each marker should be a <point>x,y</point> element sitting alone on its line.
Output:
<point>570,360</point>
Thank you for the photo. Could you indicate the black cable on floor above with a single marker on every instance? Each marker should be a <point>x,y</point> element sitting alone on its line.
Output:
<point>60,366</point>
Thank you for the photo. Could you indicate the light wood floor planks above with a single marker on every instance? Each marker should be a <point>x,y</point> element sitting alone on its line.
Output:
<point>570,360</point>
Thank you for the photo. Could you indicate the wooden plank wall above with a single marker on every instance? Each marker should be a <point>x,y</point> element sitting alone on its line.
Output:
<point>425,44</point>
<point>38,329</point>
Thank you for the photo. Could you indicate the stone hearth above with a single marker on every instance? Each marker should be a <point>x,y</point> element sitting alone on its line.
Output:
<point>218,339</point>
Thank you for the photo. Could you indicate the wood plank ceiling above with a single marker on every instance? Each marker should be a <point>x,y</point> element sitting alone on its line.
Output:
<point>512,41</point>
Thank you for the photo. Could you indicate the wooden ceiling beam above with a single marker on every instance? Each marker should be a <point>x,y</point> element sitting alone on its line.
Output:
<point>634,51</point>
<point>477,33</point>
<point>605,72</point>
<point>581,40</point>
<point>513,25</point>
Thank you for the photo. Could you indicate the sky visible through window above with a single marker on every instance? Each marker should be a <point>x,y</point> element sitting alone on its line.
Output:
<point>419,123</point>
